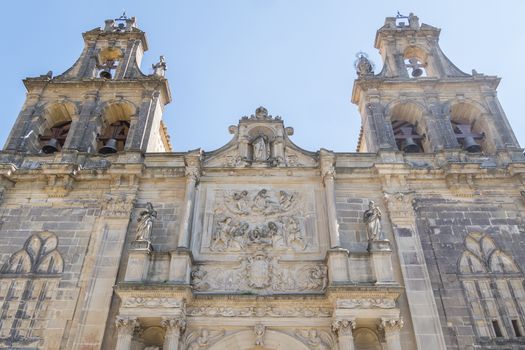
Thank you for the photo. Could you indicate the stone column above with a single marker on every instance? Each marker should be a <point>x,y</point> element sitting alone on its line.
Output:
<point>174,328</point>
<point>343,329</point>
<point>328,173</point>
<point>125,328</point>
<point>439,129</point>
<point>392,328</point>
<point>379,132</point>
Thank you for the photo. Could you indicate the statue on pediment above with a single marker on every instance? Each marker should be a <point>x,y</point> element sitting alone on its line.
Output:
<point>261,148</point>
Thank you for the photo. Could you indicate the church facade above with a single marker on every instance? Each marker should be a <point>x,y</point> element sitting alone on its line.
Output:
<point>111,240</point>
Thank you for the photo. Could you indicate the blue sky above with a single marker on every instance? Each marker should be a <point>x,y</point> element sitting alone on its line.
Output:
<point>295,57</point>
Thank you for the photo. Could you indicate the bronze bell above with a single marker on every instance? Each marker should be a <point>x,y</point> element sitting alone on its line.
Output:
<point>106,74</point>
<point>470,145</point>
<point>109,147</point>
<point>410,146</point>
<point>51,146</point>
<point>417,72</point>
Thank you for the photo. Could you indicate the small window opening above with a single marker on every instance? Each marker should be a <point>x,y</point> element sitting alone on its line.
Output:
<point>401,20</point>
<point>516,327</point>
<point>108,69</point>
<point>497,329</point>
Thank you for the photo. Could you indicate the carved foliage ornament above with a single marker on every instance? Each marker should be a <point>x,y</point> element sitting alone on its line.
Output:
<point>343,327</point>
<point>314,339</point>
<point>202,338</point>
<point>261,274</point>
<point>368,303</point>
<point>152,302</point>
<point>117,205</point>
<point>259,311</point>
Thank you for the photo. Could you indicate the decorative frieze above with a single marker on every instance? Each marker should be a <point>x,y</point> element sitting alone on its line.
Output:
<point>117,205</point>
<point>366,303</point>
<point>134,302</point>
<point>261,274</point>
<point>259,311</point>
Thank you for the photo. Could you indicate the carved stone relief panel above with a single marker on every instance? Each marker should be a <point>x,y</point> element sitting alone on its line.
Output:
<point>249,219</point>
<point>261,274</point>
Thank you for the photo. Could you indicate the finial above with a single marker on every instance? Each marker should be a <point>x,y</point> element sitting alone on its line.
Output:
<point>362,65</point>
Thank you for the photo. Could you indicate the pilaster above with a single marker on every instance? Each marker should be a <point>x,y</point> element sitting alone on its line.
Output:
<point>343,329</point>
<point>125,328</point>
<point>174,326</point>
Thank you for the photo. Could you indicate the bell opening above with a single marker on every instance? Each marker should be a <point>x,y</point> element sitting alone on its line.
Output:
<point>105,74</point>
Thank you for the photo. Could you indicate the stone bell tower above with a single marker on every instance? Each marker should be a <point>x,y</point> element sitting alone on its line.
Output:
<point>421,102</point>
<point>102,104</point>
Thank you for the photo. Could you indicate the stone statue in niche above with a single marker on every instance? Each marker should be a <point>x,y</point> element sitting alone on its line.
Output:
<point>372,219</point>
<point>261,148</point>
<point>145,223</point>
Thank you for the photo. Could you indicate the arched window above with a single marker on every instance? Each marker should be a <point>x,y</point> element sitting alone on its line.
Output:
<point>408,127</point>
<point>116,124</point>
<point>469,126</point>
<point>107,62</point>
<point>55,128</point>
<point>416,62</point>
<point>493,286</point>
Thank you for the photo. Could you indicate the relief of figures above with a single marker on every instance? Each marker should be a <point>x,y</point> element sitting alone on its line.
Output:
<point>284,233</point>
<point>262,202</point>
<point>258,218</point>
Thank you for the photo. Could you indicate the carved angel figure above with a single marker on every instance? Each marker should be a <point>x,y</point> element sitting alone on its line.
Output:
<point>145,223</point>
<point>241,202</point>
<point>202,339</point>
<point>259,330</point>
<point>372,219</point>
<point>294,233</point>
<point>222,235</point>
<point>262,202</point>
<point>315,340</point>
<point>286,200</point>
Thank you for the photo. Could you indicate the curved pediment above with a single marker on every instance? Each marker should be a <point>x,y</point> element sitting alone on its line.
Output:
<point>260,141</point>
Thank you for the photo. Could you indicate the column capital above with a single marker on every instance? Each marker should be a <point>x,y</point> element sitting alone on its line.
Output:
<point>192,161</point>
<point>343,327</point>
<point>173,324</point>
<point>126,324</point>
<point>327,164</point>
<point>391,324</point>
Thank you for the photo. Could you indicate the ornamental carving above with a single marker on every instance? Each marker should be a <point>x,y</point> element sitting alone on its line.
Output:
<point>314,339</point>
<point>202,338</point>
<point>152,302</point>
<point>258,311</point>
<point>117,205</point>
<point>259,219</point>
<point>260,274</point>
<point>391,325</point>
<point>368,303</point>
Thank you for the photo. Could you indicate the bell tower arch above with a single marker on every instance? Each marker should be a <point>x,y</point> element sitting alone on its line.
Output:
<point>457,110</point>
<point>103,104</point>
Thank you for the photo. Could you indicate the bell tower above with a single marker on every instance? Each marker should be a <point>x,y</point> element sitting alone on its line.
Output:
<point>421,102</point>
<point>103,104</point>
